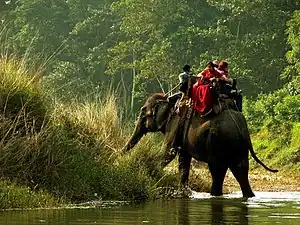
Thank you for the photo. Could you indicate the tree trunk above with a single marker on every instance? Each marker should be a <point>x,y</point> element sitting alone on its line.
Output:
<point>133,81</point>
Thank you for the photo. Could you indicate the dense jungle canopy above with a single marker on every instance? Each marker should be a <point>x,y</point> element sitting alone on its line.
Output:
<point>140,46</point>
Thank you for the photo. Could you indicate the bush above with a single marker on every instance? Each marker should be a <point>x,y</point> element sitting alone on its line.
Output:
<point>15,196</point>
<point>295,140</point>
<point>274,121</point>
<point>288,109</point>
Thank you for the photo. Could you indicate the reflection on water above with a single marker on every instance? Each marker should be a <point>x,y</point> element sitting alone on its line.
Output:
<point>266,208</point>
<point>212,211</point>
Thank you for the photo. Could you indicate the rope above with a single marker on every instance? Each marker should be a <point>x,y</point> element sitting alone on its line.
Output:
<point>190,117</point>
<point>172,89</point>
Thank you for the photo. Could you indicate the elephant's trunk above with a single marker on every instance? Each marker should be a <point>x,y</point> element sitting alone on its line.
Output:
<point>135,138</point>
<point>138,133</point>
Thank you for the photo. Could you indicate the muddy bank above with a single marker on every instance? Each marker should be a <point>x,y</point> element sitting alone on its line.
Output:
<point>260,180</point>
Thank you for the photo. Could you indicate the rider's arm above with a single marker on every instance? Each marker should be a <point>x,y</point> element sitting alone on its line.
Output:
<point>202,74</point>
<point>182,78</point>
<point>223,75</point>
<point>226,79</point>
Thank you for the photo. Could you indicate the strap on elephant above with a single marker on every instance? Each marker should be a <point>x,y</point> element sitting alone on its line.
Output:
<point>187,123</point>
<point>183,110</point>
<point>184,114</point>
<point>185,126</point>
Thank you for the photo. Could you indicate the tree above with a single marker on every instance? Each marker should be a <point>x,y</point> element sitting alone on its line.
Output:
<point>41,26</point>
<point>293,55</point>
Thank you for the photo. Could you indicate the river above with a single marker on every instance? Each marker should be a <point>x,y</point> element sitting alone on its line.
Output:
<point>266,208</point>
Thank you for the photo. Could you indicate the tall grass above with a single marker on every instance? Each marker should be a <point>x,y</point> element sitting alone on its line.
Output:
<point>69,149</point>
<point>20,99</point>
<point>94,123</point>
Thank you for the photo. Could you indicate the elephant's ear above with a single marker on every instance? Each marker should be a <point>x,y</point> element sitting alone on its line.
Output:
<point>162,115</point>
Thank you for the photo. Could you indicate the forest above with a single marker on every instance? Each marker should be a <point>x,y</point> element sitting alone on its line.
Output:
<point>117,52</point>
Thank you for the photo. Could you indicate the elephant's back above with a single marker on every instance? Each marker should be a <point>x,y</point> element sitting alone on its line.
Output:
<point>230,127</point>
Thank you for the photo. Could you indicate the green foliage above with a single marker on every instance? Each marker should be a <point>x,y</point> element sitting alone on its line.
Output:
<point>293,55</point>
<point>295,133</point>
<point>274,121</point>
<point>13,196</point>
<point>281,105</point>
<point>142,45</point>
<point>288,109</point>
<point>40,22</point>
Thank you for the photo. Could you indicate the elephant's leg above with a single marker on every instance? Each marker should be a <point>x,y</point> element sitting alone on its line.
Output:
<point>218,172</point>
<point>240,172</point>
<point>184,167</point>
<point>168,157</point>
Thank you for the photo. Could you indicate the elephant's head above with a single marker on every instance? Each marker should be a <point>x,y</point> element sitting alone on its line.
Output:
<point>153,116</point>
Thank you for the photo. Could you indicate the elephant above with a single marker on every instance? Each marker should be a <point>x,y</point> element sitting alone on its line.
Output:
<point>221,140</point>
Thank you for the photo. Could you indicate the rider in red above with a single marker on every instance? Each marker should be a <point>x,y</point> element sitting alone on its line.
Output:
<point>223,68</point>
<point>208,74</point>
<point>201,93</point>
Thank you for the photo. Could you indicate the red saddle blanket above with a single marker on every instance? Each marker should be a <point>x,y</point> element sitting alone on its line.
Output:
<point>202,98</point>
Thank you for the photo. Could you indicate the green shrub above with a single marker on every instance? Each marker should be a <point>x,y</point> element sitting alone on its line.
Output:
<point>273,120</point>
<point>15,196</point>
<point>288,109</point>
<point>295,140</point>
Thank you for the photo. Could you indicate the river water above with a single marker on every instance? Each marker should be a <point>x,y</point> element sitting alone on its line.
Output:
<point>266,208</point>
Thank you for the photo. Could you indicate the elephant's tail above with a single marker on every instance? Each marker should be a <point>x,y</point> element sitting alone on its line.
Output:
<point>258,160</point>
<point>251,146</point>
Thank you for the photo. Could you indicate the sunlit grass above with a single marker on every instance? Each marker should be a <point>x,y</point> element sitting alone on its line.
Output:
<point>278,146</point>
<point>96,122</point>
<point>20,98</point>
<point>70,149</point>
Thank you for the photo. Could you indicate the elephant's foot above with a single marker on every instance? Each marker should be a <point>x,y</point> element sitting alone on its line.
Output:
<point>249,194</point>
<point>184,192</point>
<point>216,193</point>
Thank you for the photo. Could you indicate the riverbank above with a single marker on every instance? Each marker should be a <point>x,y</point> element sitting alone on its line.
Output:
<point>260,180</point>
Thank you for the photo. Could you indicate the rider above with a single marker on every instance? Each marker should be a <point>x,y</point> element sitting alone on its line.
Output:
<point>184,79</point>
<point>223,69</point>
<point>210,73</point>
<point>226,89</point>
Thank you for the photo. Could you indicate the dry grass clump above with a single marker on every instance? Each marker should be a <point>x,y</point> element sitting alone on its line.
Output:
<point>69,149</point>
<point>20,97</point>
<point>97,124</point>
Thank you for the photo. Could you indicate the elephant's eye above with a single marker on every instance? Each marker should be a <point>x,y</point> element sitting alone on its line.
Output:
<point>143,109</point>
